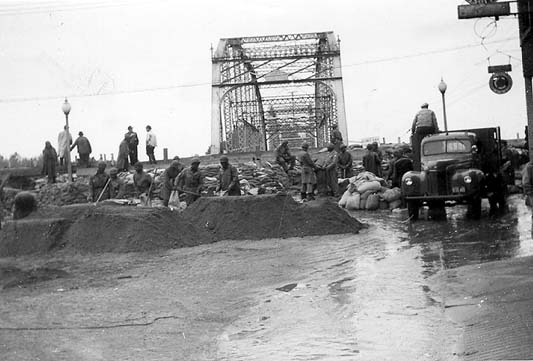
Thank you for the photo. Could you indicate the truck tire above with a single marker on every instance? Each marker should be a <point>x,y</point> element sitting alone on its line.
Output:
<point>413,208</point>
<point>474,208</point>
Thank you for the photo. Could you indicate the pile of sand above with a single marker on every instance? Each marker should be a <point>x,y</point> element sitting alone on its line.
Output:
<point>99,228</point>
<point>269,216</point>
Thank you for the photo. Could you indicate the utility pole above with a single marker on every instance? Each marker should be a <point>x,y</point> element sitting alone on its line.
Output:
<point>491,8</point>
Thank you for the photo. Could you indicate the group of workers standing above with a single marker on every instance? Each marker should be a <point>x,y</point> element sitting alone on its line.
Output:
<point>127,155</point>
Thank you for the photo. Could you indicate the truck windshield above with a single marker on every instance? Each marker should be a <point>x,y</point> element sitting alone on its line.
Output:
<point>447,146</point>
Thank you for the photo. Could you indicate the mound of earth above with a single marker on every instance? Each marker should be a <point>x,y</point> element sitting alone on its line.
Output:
<point>100,228</point>
<point>269,216</point>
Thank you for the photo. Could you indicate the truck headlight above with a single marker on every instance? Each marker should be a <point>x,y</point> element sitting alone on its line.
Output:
<point>467,179</point>
<point>408,181</point>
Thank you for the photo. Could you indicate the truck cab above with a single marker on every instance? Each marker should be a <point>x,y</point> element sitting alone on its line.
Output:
<point>457,167</point>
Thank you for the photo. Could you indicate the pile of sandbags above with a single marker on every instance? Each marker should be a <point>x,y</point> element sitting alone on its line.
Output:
<point>253,179</point>
<point>368,192</point>
<point>60,194</point>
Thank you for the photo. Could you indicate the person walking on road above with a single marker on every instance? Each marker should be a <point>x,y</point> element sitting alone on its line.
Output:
<point>123,153</point>
<point>191,181</point>
<point>133,142</point>
<point>49,162</point>
<point>84,149</point>
<point>151,143</point>
<point>64,140</point>
<point>168,179</point>
<point>424,123</point>
<point>308,174</point>
<point>228,178</point>
<point>99,184</point>
<point>344,162</point>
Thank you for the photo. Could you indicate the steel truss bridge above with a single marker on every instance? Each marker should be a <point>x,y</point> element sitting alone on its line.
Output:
<point>267,89</point>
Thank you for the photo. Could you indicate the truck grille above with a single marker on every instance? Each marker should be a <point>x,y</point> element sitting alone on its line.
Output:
<point>437,182</point>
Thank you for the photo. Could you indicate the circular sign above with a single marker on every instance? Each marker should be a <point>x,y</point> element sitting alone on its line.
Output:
<point>500,83</point>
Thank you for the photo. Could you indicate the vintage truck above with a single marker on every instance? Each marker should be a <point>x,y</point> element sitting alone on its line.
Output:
<point>457,167</point>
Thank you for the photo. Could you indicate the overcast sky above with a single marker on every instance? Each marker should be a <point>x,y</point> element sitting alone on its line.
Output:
<point>135,63</point>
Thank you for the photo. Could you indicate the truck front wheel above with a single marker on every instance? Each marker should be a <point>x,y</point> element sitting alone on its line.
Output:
<point>412,209</point>
<point>474,208</point>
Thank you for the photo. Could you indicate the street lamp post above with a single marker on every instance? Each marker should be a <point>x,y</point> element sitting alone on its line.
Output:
<point>442,89</point>
<point>66,110</point>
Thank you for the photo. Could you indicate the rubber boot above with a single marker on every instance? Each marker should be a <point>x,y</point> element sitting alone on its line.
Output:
<point>310,197</point>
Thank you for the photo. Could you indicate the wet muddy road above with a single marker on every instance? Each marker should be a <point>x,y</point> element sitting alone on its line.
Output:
<point>370,296</point>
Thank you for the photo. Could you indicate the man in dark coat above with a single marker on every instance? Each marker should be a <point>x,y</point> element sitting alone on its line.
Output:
<point>117,188</point>
<point>228,178</point>
<point>400,166</point>
<point>191,181</point>
<point>371,161</point>
<point>49,162</point>
<point>133,142</point>
<point>344,162</point>
<point>123,152</point>
<point>168,179</point>
<point>284,157</point>
<point>336,137</point>
<point>99,184</point>
<point>84,149</point>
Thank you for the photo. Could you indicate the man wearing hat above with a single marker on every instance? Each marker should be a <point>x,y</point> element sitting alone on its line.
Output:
<point>228,178</point>
<point>99,184</point>
<point>133,142</point>
<point>190,181</point>
<point>424,123</point>
<point>345,162</point>
<point>84,149</point>
<point>117,188</point>
<point>167,179</point>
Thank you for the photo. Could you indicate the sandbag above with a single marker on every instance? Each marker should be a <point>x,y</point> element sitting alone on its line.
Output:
<point>395,204</point>
<point>383,204</point>
<point>372,202</point>
<point>344,198</point>
<point>391,195</point>
<point>353,201</point>
<point>366,194</point>
<point>373,186</point>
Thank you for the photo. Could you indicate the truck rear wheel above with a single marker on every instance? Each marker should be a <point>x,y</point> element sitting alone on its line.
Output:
<point>412,209</point>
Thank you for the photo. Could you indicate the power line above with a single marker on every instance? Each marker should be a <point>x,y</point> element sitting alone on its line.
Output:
<point>176,86</point>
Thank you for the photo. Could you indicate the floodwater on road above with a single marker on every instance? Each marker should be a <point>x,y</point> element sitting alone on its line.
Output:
<point>368,296</point>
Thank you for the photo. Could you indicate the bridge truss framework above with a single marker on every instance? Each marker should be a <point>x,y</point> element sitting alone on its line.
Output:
<point>267,89</point>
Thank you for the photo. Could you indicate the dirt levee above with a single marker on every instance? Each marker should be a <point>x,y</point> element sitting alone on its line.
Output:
<point>269,216</point>
<point>101,228</point>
